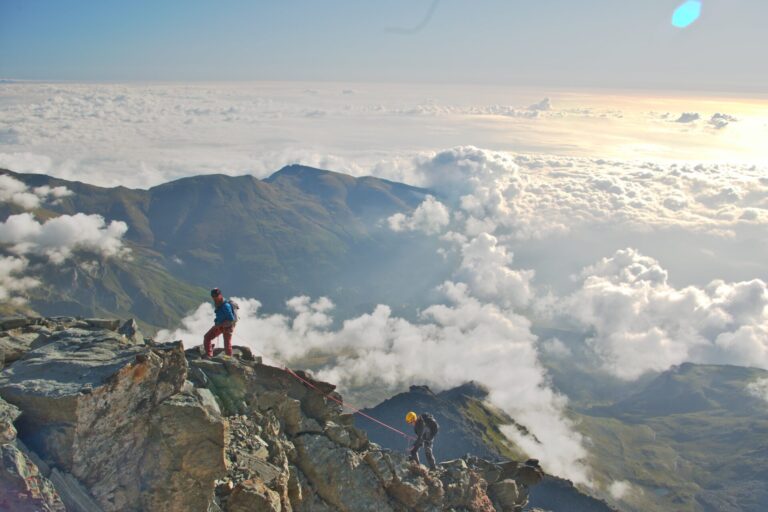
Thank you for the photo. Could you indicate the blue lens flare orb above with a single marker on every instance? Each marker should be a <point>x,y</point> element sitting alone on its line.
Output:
<point>687,13</point>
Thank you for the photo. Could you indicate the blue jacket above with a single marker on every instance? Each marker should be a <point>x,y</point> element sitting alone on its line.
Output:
<point>224,313</point>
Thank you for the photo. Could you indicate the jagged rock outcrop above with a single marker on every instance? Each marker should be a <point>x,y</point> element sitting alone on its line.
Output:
<point>18,335</point>
<point>127,424</point>
<point>116,416</point>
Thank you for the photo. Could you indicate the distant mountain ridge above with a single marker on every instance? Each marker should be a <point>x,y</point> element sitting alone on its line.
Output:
<point>691,388</point>
<point>300,231</point>
<point>693,439</point>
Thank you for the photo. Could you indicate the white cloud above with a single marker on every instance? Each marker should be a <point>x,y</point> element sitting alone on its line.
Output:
<point>25,162</point>
<point>59,237</point>
<point>595,177</point>
<point>642,323</point>
<point>462,340</point>
<point>486,267</point>
<point>55,239</point>
<point>431,216</point>
<point>53,192</point>
<point>627,266</point>
<point>481,184</point>
<point>12,282</point>
<point>545,104</point>
<point>619,489</point>
<point>688,117</point>
<point>720,121</point>
<point>14,191</point>
<point>530,197</point>
<point>143,135</point>
<point>759,389</point>
<point>556,348</point>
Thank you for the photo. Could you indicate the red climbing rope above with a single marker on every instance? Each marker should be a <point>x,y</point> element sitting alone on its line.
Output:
<point>340,402</point>
<point>353,409</point>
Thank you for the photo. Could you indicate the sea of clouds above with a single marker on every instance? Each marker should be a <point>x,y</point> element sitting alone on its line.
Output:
<point>584,217</point>
<point>139,135</point>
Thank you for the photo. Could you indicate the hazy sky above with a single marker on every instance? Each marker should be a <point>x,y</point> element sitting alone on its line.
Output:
<point>602,43</point>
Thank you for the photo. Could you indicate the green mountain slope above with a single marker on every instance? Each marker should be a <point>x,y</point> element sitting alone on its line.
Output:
<point>139,288</point>
<point>301,231</point>
<point>693,439</point>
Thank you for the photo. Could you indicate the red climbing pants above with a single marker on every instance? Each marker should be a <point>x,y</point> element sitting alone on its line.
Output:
<point>211,335</point>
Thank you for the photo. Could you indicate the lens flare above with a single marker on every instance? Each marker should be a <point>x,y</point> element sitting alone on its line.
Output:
<point>687,13</point>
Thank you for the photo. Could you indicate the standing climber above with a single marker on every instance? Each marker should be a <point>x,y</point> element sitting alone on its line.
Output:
<point>426,428</point>
<point>226,317</point>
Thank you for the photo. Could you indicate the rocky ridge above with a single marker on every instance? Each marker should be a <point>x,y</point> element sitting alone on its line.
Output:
<point>95,417</point>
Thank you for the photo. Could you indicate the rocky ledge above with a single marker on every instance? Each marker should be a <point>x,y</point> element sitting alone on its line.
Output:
<point>94,417</point>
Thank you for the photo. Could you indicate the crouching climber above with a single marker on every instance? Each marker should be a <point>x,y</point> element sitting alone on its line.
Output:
<point>226,318</point>
<point>426,428</point>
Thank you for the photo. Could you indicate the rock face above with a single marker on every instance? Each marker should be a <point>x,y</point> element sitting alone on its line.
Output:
<point>116,416</point>
<point>22,487</point>
<point>131,426</point>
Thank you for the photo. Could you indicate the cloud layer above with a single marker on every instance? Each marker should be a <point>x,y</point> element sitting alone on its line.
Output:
<point>641,323</point>
<point>534,197</point>
<point>143,135</point>
<point>16,192</point>
<point>59,237</point>
<point>12,280</point>
<point>759,389</point>
<point>431,217</point>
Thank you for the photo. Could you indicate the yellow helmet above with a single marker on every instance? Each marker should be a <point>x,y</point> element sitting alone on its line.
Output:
<point>410,417</point>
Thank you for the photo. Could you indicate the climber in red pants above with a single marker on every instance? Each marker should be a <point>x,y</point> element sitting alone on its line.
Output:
<point>226,317</point>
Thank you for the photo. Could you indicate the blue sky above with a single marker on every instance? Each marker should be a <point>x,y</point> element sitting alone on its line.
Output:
<point>562,43</point>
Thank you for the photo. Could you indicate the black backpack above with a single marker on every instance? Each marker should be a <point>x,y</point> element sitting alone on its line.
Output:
<point>431,423</point>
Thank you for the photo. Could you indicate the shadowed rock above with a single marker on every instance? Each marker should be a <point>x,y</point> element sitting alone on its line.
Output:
<point>22,487</point>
